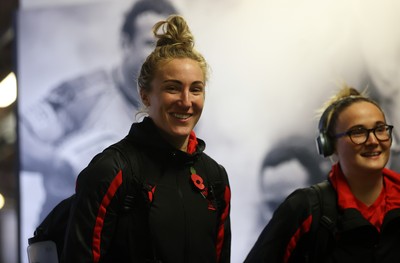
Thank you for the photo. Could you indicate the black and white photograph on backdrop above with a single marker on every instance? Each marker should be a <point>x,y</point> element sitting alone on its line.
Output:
<point>272,64</point>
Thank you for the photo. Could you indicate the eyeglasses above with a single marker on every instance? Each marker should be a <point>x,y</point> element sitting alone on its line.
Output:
<point>360,135</point>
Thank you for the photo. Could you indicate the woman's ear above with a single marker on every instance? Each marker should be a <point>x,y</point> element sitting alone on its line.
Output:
<point>334,158</point>
<point>144,97</point>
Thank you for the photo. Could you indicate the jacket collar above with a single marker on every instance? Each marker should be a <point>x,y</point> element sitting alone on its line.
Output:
<point>147,135</point>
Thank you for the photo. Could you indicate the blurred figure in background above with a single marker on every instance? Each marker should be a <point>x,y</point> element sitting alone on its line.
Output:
<point>80,117</point>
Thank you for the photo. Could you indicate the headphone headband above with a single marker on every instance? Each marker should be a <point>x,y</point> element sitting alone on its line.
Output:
<point>325,143</point>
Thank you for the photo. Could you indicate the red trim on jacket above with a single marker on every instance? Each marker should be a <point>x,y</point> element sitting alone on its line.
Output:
<point>192,143</point>
<point>221,228</point>
<point>304,228</point>
<point>388,199</point>
<point>392,185</point>
<point>96,240</point>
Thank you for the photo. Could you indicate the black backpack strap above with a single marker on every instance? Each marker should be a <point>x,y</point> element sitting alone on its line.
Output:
<point>325,211</point>
<point>136,203</point>
<point>216,182</point>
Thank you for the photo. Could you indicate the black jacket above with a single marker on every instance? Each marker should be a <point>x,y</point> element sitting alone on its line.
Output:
<point>175,222</point>
<point>288,238</point>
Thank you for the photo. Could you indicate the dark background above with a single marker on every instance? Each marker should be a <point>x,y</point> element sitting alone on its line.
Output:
<point>8,147</point>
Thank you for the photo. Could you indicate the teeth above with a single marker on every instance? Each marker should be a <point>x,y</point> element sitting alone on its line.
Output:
<point>181,116</point>
<point>372,154</point>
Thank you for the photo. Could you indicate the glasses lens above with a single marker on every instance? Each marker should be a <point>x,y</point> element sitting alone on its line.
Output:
<point>359,135</point>
<point>383,133</point>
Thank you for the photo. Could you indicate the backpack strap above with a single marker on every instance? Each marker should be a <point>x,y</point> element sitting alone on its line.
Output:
<point>136,202</point>
<point>325,214</point>
<point>216,182</point>
<point>219,193</point>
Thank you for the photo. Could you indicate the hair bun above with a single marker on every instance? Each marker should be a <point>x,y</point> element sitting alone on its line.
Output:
<point>174,31</point>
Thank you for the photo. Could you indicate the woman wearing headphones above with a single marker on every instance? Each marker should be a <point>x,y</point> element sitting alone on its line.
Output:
<point>365,226</point>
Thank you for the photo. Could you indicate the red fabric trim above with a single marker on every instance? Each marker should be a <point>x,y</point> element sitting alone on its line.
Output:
<point>221,228</point>
<point>392,185</point>
<point>96,240</point>
<point>150,193</point>
<point>388,199</point>
<point>192,143</point>
<point>304,228</point>
<point>346,198</point>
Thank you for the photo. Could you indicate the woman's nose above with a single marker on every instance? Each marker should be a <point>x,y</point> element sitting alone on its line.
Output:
<point>185,98</point>
<point>371,137</point>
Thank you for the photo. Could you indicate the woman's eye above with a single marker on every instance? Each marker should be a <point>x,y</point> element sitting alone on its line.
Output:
<point>380,129</point>
<point>358,132</point>
<point>197,89</point>
<point>171,88</point>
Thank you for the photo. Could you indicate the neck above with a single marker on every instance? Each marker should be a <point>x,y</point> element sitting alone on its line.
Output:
<point>365,188</point>
<point>179,143</point>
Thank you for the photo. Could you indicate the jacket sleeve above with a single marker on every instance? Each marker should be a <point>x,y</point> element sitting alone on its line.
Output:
<point>224,244</point>
<point>93,215</point>
<point>284,232</point>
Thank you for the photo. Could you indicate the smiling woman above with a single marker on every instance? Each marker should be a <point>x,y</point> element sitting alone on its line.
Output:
<point>176,99</point>
<point>184,200</point>
<point>354,130</point>
<point>363,156</point>
<point>172,82</point>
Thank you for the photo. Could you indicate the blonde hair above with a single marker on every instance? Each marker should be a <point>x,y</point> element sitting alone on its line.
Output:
<point>345,97</point>
<point>175,40</point>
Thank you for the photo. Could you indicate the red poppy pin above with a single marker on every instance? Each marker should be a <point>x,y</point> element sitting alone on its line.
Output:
<point>197,180</point>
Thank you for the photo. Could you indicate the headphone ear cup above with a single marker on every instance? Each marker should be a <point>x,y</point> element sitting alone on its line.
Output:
<point>324,144</point>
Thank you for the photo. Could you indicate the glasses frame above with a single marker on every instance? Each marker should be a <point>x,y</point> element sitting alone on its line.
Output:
<point>388,128</point>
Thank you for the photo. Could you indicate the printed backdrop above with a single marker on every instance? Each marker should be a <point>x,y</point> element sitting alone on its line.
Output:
<point>273,64</point>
